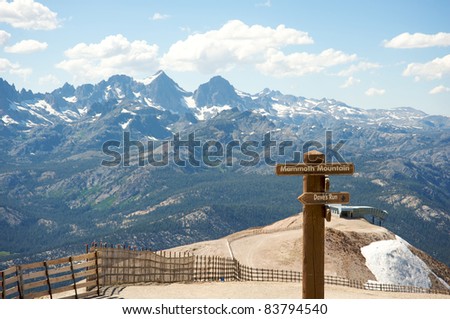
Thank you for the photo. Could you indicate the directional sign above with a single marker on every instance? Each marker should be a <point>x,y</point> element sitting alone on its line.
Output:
<point>315,169</point>
<point>324,198</point>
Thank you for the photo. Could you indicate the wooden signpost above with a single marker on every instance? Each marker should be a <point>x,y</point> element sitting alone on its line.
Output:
<point>314,198</point>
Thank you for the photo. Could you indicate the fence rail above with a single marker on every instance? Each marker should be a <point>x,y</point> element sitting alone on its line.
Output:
<point>84,274</point>
<point>75,274</point>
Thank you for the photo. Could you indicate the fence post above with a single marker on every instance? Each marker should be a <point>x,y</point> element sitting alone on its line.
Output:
<point>97,280</point>
<point>235,273</point>
<point>19,282</point>
<point>73,277</point>
<point>3,285</point>
<point>47,276</point>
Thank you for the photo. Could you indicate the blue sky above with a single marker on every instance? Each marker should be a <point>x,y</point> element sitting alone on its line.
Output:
<point>369,54</point>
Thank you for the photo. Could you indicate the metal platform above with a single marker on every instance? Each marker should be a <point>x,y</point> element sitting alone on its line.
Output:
<point>358,212</point>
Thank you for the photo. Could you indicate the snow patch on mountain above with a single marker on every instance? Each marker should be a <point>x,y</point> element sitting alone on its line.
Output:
<point>42,104</point>
<point>71,99</point>
<point>128,112</point>
<point>392,262</point>
<point>83,111</point>
<point>125,125</point>
<point>379,182</point>
<point>150,79</point>
<point>119,93</point>
<point>150,103</point>
<point>190,102</point>
<point>8,120</point>
<point>245,95</point>
<point>207,112</point>
<point>69,116</point>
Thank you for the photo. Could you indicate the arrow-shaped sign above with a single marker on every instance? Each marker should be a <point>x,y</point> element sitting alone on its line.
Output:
<point>324,198</point>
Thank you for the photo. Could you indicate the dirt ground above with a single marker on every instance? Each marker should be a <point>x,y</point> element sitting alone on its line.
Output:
<point>279,246</point>
<point>255,290</point>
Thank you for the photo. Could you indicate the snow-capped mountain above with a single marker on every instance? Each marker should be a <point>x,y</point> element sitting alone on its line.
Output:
<point>88,102</point>
<point>51,150</point>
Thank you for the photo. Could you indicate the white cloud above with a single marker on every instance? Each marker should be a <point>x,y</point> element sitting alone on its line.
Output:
<point>27,46</point>
<point>298,64</point>
<point>439,89</point>
<point>49,80</point>
<point>7,66</point>
<point>234,43</point>
<point>432,70</point>
<point>27,14</point>
<point>113,55</point>
<point>267,4</point>
<point>4,37</point>
<point>186,29</point>
<point>361,66</point>
<point>22,72</point>
<point>159,16</point>
<point>375,92</point>
<point>418,40</point>
<point>350,82</point>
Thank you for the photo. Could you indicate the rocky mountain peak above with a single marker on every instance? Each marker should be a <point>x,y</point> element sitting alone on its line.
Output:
<point>67,90</point>
<point>8,93</point>
<point>216,92</point>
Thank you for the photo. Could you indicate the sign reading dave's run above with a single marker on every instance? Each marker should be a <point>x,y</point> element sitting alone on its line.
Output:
<point>324,198</point>
<point>315,169</point>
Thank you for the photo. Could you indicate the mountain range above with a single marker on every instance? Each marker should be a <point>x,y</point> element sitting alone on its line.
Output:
<point>55,194</point>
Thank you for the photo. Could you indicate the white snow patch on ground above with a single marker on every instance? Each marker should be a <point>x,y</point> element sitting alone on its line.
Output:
<point>392,262</point>
<point>8,120</point>
<point>208,112</point>
<point>127,111</point>
<point>151,104</point>
<point>83,111</point>
<point>42,104</point>
<point>149,80</point>
<point>71,99</point>
<point>190,102</point>
<point>125,125</point>
<point>119,93</point>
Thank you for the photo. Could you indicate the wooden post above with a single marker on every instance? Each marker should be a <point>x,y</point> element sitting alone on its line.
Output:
<point>313,233</point>
<point>97,279</point>
<point>3,285</point>
<point>315,196</point>
<point>47,276</point>
<point>73,277</point>
<point>20,282</point>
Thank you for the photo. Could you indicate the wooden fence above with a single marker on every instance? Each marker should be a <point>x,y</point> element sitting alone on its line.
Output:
<point>246,273</point>
<point>371,285</point>
<point>83,275</point>
<point>76,274</point>
<point>120,266</point>
<point>128,266</point>
<point>213,268</point>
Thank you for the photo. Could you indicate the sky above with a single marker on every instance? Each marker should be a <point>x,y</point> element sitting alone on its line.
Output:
<point>368,54</point>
